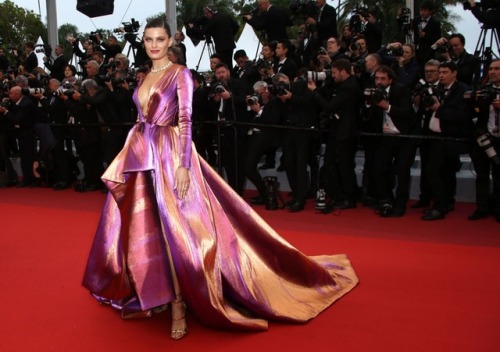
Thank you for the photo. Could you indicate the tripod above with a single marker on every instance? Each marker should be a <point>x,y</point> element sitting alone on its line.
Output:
<point>484,47</point>
<point>209,46</point>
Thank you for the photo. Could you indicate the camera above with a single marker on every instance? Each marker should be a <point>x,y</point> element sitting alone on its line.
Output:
<point>252,100</point>
<point>427,92</point>
<point>355,24</point>
<point>279,89</point>
<point>321,51</point>
<point>397,51</point>
<point>28,91</point>
<point>215,87</point>
<point>272,193</point>
<point>320,199</point>
<point>262,64</point>
<point>93,36</point>
<point>253,12</point>
<point>375,95</point>
<point>360,67</point>
<point>484,140</point>
<point>318,76</point>
<point>485,95</point>
<point>4,103</point>
<point>129,27</point>
<point>66,91</point>
<point>39,49</point>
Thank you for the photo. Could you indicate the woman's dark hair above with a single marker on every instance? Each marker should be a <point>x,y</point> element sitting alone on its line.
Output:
<point>159,22</point>
<point>72,68</point>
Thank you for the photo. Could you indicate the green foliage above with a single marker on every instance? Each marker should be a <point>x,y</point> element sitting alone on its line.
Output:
<point>18,25</point>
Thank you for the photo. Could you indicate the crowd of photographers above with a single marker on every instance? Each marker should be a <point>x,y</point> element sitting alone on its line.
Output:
<point>323,95</point>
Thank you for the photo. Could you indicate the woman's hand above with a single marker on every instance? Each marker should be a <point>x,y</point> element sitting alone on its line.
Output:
<point>181,181</point>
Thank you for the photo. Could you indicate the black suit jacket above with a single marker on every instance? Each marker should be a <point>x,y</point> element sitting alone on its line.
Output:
<point>343,107</point>
<point>454,113</point>
<point>23,115</point>
<point>31,62</point>
<point>469,66</point>
<point>301,109</point>
<point>401,113</point>
<point>222,29</point>
<point>104,104</point>
<point>273,22</point>
<point>289,68</point>
<point>326,24</point>
<point>57,67</point>
<point>432,33</point>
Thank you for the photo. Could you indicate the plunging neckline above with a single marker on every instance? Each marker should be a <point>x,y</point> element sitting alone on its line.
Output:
<point>150,93</point>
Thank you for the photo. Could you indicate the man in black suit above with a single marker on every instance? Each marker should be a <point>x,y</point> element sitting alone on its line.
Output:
<point>229,103</point>
<point>31,61</point>
<point>392,114</point>
<point>300,112</point>
<point>488,125</point>
<point>468,65</point>
<point>57,67</point>
<point>4,61</point>
<point>427,30</point>
<point>221,28</point>
<point>342,109</point>
<point>272,20</point>
<point>325,23</point>
<point>265,108</point>
<point>282,63</point>
<point>109,48</point>
<point>23,113</point>
<point>451,118</point>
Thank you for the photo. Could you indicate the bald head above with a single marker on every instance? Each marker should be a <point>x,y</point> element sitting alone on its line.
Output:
<point>15,93</point>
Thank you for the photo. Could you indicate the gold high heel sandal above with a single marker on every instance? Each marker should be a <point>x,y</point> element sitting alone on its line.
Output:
<point>177,334</point>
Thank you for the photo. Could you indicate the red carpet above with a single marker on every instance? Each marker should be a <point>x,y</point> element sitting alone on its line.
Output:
<point>425,286</point>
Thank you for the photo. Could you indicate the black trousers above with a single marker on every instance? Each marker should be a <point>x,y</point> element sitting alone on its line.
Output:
<point>339,168</point>
<point>443,164</point>
<point>402,154</point>
<point>257,145</point>
<point>484,167</point>
<point>425,187</point>
<point>232,158</point>
<point>297,148</point>
<point>26,139</point>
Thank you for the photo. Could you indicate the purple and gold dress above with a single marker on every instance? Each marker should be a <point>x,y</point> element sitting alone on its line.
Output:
<point>233,269</point>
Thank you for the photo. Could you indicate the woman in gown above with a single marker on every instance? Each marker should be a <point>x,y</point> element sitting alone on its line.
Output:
<point>172,230</point>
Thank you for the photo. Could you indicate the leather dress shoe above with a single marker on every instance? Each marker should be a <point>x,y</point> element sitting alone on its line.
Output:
<point>420,204</point>
<point>85,187</point>
<point>23,184</point>
<point>398,212</point>
<point>296,206</point>
<point>479,213</point>
<point>433,214</point>
<point>344,204</point>
<point>259,200</point>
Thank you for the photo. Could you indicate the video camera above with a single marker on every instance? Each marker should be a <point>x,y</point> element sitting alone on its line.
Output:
<point>485,4</point>
<point>194,33</point>
<point>129,27</point>
<point>253,12</point>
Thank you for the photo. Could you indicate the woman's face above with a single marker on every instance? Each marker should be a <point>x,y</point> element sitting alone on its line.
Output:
<point>156,43</point>
<point>68,72</point>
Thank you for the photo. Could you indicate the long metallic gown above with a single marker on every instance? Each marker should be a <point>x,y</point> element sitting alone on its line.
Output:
<point>234,270</point>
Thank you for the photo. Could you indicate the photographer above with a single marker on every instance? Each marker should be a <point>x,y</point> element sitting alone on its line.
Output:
<point>490,17</point>
<point>300,111</point>
<point>102,100</point>
<point>485,153</point>
<point>282,63</point>
<point>331,54</point>
<point>401,58</point>
<point>56,67</point>
<point>86,55</point>
<point>245,69</point>
<point>265,109</point>
<point>426,31</point>
<point>30,61</point>
<point>468,65</point>
<point>358,49</point>
<point>451,118</point>
<point>325,23</point>
<point>22,113</point>
<point>271,19</point>
<point>228,99</point>
<point>391,113</point>
<point>423,97</point>
<point>109,48</point>
<point>140,56</point>
<point>87,140</point>
<point>221,28</point>
<point>341,114</point>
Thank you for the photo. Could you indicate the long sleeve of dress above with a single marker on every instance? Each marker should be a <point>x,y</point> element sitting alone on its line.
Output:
<point>185,94</point>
